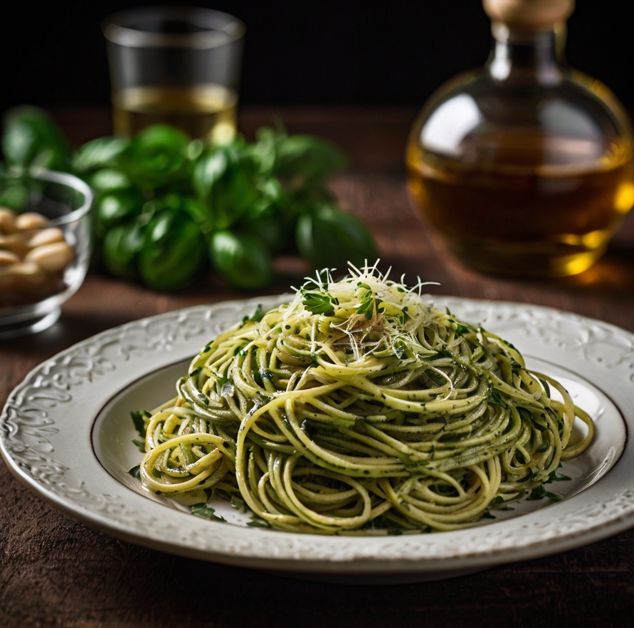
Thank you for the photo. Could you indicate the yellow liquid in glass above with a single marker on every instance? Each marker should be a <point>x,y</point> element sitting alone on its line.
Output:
<point>524,204</point>
<point>207,112</point>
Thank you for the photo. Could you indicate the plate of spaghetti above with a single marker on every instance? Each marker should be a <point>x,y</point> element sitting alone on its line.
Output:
<point>357,430</point>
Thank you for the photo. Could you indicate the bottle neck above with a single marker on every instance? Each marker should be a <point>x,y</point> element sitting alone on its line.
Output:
<point>529,54</point>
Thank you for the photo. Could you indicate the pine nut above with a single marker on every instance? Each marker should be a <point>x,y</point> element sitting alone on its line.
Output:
<point>30,220</point>
<point>7,221</point>
<point>7,258</point>
<point>28,276</point>
<point>52,258</point>
<point>14,243</point>
<point>46,236</point>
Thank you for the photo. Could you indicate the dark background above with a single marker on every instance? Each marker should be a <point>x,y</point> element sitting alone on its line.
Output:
<point>304,52</point>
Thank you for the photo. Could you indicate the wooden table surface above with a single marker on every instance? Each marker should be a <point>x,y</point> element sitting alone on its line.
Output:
<point>57,572</point>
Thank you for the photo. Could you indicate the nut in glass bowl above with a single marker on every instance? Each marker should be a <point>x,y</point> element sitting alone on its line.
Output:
<point>44,250</point>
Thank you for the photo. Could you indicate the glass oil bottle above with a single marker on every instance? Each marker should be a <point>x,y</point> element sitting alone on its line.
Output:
<point>524,167</point>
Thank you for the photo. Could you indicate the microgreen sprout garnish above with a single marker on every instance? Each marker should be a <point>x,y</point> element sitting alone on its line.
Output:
<point>371,312</point>
<point>319,302</point>
<point>369,304</point>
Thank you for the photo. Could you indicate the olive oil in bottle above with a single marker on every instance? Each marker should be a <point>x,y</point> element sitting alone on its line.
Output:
<point>524,167</point>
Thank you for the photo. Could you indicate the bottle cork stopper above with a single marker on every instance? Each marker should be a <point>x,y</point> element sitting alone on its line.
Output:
<point>531,14</point>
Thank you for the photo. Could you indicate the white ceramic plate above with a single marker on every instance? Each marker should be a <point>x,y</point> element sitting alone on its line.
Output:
<point>66,432</point>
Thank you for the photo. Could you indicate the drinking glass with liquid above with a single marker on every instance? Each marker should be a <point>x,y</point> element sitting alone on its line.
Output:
<point>524,167</point>
<point>175,65</point>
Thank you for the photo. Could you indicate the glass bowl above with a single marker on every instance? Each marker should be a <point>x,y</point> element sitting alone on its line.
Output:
<point>44,249</point>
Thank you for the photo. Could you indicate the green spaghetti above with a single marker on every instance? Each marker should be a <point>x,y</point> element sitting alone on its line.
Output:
<point>358,406</point>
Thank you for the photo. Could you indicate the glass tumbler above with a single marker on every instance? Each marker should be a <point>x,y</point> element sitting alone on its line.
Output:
<point>177,66</point>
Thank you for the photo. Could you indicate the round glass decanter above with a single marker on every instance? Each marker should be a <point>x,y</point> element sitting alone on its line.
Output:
<point>524,167</point>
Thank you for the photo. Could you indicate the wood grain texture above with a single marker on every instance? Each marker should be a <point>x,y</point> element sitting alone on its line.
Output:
<point>57,572</point>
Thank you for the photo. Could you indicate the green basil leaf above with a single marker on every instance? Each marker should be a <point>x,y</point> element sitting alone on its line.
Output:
<point>330,238</point>
<point>107,180</point>
<point>224,179</point>
<point>14,194</point>
<point>103,152</point>
<point>240,258</point>
<point>307,159</point>
<point>116,207</point>
<point>32,138</point>
<point>264,151</point>
<point>120,249</point>
<point>173,250</point>
<point>156,156</point>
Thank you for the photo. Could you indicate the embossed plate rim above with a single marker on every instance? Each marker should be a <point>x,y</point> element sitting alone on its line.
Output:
<point>74,481</point>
